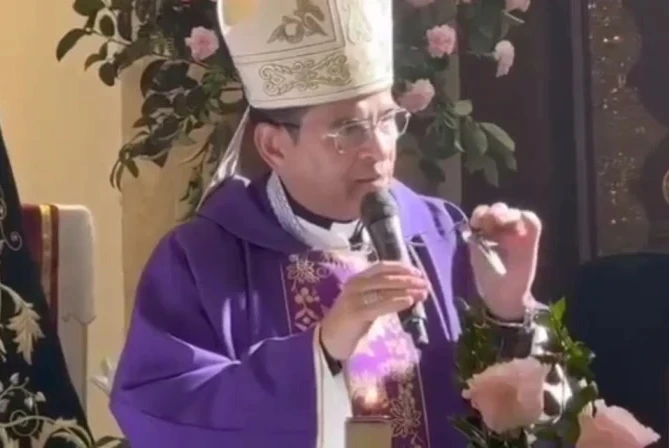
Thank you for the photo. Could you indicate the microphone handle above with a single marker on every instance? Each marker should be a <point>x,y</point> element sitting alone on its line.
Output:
<point>413,323</point>
<point>389,246</point>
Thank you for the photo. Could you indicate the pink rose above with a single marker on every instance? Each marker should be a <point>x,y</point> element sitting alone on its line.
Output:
<point>522,5</point>
<point>441,40</point>
<point>504,54</point>
<point>418,96</point>
<point>202,42</point>
<point>420,3</point>
<point>612,426</point>
<point>509,395</point>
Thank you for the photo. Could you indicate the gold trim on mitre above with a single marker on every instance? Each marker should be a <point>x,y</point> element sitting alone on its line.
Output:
<point>292,53</point>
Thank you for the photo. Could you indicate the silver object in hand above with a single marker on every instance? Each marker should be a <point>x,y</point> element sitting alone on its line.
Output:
<point>484,246</point>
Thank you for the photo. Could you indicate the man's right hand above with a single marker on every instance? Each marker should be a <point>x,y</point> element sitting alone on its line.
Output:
<point>384,288</point>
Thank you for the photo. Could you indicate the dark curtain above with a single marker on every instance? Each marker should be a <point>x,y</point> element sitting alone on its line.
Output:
<point>38,404</point>
<point>535,105</point>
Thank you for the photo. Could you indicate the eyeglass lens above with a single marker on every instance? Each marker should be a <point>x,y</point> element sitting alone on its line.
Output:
<point>354,135</point>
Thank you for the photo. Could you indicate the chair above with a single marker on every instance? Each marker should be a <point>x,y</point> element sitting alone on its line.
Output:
<point>60,240</point>
<point>620,309</point>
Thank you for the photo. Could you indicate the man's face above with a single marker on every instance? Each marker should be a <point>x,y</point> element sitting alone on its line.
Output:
<point>343,151</point>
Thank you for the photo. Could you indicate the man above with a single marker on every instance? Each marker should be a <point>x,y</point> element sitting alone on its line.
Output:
<point>251,326</point>
<point>38,404</point>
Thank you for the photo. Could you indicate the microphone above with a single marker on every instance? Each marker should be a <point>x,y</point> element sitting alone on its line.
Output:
<point>378,213</point>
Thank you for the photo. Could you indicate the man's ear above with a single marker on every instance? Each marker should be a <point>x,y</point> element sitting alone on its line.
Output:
<point>271,143</point>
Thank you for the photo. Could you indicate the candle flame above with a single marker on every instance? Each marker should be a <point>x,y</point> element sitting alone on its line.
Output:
<point>371,397</point>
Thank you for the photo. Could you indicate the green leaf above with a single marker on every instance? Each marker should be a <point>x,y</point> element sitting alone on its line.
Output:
<point>168,129</point>
<point>87,7</point>
<point>484,29</point>
<point>463,108</point>
<point>479,43</point>
<point>485,164</point>
<point>122,5</point>
<point>124,24</point>
<point>510,161</point>
<point>195,99</point>
<point>132,167</point>
<point>558,309</point>
<point>143,122</point>
<point>154,102</point>
<point>103,51</point>
<point>498,136</point>
<point>92,59</point>
<point>107,27</point>
<point>131,53</point>
<point>100,56</point>
<point>581,399</point>
<point>473,138</point>
<point>490,171</point>
<point>146,10</point>
<point>68,41</point>
<point>149,74</point>
<point>180,105</point>
<point>107,73</point>
<point>171,77</point>
<point>432,171</point>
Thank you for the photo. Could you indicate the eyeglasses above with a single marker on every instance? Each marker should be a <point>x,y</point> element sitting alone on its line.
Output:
<point>353,135</point>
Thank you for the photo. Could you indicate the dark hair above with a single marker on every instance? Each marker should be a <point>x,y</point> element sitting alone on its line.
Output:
<point>289,118</point>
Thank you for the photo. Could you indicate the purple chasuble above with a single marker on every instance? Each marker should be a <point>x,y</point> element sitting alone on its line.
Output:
<point>222,347</point>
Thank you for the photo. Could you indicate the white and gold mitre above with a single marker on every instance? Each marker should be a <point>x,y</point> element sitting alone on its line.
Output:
<point>293,53</point>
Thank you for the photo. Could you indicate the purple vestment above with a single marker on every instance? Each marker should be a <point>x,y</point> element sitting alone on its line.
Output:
<point>221,349</point>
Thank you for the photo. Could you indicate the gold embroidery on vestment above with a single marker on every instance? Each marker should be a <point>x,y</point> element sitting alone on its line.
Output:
<point>21,420</point>
<point>394,385</point>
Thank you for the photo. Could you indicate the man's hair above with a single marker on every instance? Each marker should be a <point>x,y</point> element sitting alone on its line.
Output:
<point>289,117</point>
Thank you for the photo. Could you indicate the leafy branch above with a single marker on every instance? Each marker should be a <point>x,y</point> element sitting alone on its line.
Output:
<point>476,352</point>
<point>181,95</point>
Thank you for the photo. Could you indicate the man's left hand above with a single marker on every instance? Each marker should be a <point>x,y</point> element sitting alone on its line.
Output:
<point>517,233</point>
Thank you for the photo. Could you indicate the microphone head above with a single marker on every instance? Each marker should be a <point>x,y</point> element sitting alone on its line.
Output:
<point>377,206</point>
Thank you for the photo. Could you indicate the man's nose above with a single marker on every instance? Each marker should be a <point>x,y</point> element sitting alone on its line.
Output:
<point>378,147</point>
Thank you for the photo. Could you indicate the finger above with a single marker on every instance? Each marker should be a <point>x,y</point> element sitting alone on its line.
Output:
<point>478,215</point>
<point>418,294</point>
<point>374,299</point>
<point>531,221</point>
<point>389,268</point>
<point>384,307</point>
<point>508,217</point>
<point>517,222</point>
<point>387,282</point>
<point>498,209</point>
<point>505,222</point>
<point>498,215</point>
